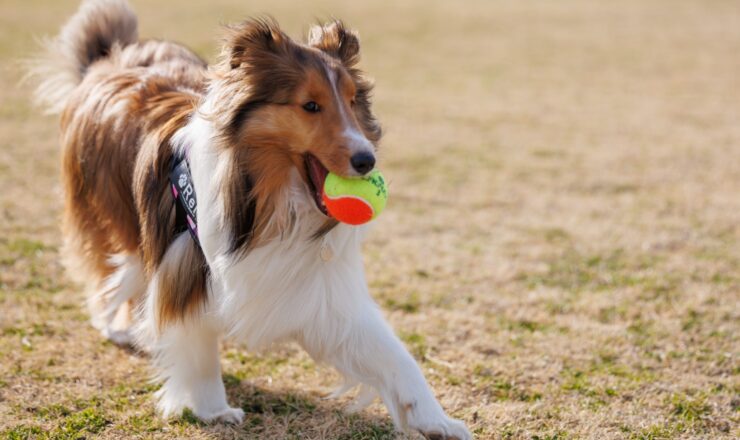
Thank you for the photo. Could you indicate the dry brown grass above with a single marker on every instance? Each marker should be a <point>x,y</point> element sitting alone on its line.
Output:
<point>561,251</point>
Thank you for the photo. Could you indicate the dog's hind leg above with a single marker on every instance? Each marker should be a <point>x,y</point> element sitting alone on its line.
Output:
<point>113,278</point>
<point>111,304</point>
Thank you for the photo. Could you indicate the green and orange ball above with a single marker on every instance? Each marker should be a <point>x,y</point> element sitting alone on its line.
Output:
<point>355,201</point>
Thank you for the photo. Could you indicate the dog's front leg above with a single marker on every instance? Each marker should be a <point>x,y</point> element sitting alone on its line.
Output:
<point>364,349</point>
<point>186,356</point>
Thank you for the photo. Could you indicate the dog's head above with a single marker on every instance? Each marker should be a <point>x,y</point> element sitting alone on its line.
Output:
<point>280,105</point>
<point>300,105</point>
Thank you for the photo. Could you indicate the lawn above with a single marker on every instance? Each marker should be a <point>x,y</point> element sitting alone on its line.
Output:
<point>561,250</point>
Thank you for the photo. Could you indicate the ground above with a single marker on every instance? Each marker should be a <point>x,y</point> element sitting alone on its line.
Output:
<point>561,250</point>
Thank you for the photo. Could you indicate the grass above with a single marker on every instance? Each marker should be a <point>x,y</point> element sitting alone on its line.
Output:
<point>560,251</point>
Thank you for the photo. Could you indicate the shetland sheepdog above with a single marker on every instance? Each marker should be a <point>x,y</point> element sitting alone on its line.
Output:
<point>255,258</point>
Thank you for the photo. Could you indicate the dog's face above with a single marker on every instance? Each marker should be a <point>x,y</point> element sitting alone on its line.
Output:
<point>302,106</point>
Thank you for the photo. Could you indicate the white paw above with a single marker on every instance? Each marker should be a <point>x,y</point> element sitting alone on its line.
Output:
<point>173,405</point>
<point>232,416</point>
<point>434,424</point>
<point>444,429</point>
<point>118,337</point>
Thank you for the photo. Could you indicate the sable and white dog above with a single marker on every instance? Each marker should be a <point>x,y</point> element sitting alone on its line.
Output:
<point>258,131</point>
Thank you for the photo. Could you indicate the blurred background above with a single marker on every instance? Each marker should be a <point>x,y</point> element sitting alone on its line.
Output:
<point>560,251</point>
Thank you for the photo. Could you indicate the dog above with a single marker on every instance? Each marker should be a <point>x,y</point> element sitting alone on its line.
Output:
<point>239,243</point>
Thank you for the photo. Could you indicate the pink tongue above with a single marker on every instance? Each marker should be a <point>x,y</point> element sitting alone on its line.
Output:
<point>319,172</point>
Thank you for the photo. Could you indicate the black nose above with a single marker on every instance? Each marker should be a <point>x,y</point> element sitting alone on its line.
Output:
<point>363,162</point>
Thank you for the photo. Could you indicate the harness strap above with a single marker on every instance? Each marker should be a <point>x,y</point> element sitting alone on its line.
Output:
<point>183,190</point>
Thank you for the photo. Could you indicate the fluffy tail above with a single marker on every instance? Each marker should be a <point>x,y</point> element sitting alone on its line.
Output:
<point>91,34</point>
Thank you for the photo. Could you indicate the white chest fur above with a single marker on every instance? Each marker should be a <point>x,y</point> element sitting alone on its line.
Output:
<point>273,291</point>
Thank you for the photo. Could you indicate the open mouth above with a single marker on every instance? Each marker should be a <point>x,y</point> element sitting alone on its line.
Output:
<point>316,177</point>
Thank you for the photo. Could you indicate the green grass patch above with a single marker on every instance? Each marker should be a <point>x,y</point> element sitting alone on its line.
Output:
<point>360,429</point>
<point>555,235</point>
<point>253,365</point>
<point>686,412</point>
<point>11,250</point>
<point>559,435</point>
<point>90,420</point>
<point>24,432</point>
<point>692,320</point>
<point>574,271</point>
<point>643,332</point>
<point>664,431</point>
<point>53,411</point>
<point>416,344</point>
<point>521,325</point>
<point>502,388</point>
<point>690,409</point>
<point>188,418</point>
<point>575,380</point>
<point>279,404</point>
<point>32,330</point>
<point>140,423</point>
<point>231,381</point>
<point>611,314</point>
<point>528,325</point>
<point>410,304</point>
<point>607,363</point>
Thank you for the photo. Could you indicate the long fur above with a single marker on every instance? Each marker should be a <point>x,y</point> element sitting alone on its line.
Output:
<point>89,35</point>
<point>270,266</point>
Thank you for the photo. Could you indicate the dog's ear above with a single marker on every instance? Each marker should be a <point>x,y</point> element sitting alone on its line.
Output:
<point>254,39</point>
<point>337,41</point>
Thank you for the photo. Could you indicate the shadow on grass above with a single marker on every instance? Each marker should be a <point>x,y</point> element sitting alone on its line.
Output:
<point>288,413</point>
<point>127,411</point>
<point>277,413</point>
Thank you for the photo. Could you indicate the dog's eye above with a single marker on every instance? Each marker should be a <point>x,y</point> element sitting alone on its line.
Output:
<point>311,107</point>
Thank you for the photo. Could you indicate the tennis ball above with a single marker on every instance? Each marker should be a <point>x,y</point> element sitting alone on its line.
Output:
<point>355,200</point>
